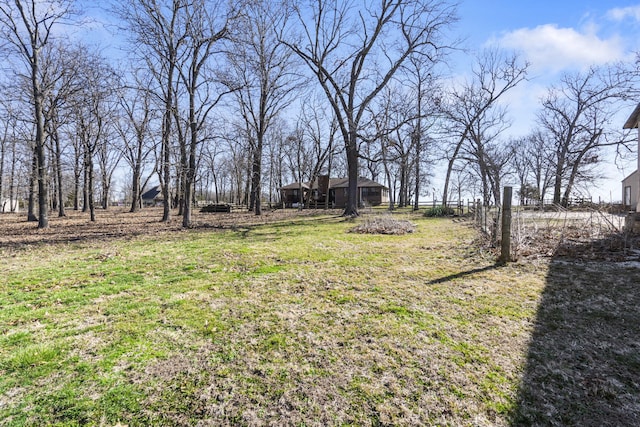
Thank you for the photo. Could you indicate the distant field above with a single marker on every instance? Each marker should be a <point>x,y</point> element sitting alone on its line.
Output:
<point>289,319</point>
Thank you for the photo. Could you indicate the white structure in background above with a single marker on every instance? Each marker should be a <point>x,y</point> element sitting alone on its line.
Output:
<point>7,205</point>
<point>630,191</point>
<point>631,184</point>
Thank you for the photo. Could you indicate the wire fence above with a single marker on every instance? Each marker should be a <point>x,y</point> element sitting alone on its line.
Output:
<point>543,232</point>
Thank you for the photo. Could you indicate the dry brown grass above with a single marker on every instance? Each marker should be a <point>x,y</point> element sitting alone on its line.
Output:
<point>119,223</point>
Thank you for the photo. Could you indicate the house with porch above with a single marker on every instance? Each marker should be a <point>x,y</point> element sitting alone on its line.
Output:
<point>152,197</point>
<point>316,193</point>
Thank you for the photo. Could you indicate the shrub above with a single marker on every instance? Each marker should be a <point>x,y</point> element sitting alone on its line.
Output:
<point>439,211</point>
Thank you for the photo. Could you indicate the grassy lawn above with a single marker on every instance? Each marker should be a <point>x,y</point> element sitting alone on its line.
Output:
<point>295,322</point>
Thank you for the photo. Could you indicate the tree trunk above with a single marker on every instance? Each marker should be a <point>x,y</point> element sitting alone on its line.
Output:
<point>92,210</point>
<point>329,164</point>
<point>135,188</point>
<point>53,189</point>
<point>31,207</point>
<point>85,183</point>
<point>58,167</point>
<point>166,174</point>
<point>445,191</point>
<point>557,186</point>
<point>216,192</point>
<point>181,173</point>
<point>3,148</point>
<point>417,142</point>
<point>43,199</point>
<point>105,192</point>
<point>403,183</point>
<point>190,173</point>
<point>186,201</point>
<point>247,188</point>
<point>351,208</point>
<point>166,154</point>
<point>77,172</point>
<point>256,172</point>
<point>12,177</point>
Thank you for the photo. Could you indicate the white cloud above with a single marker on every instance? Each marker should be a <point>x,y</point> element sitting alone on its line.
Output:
<point>550,48</point>
<point>622,13</point>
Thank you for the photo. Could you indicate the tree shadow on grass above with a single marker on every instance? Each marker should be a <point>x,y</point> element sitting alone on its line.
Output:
<point>583,362</point>
<point>464,274</point>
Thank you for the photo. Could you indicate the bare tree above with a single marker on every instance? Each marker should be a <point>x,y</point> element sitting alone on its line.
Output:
<point>78,163</point>
<point>533,164</point>
<point>266,72</point>
<point>297,159</point>
<point>319,129</point>
<point>276,153</point>
<point>236,164</point>
<point>425,93</point>
<point>158,32</point>
<point>487,152</point>
<point>23,175</point>
<point>62,66</point>
<point>92,117</point>
<point>390,138</point>
<point>4,143</point>
<point>473,107</point>
<point>11,160</point>
<point>207,25</point>
<point>577,117</point>
<point>27,26</point>
<point>134,128</point>
<point>355,51</point>
<point>109,155</point>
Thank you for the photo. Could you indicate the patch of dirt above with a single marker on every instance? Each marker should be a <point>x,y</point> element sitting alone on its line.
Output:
<point>118,223</point>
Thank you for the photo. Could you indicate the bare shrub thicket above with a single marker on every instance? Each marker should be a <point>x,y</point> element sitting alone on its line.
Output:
<point>589,234</point>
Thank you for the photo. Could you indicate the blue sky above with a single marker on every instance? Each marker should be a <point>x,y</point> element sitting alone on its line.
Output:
<point>555,37</point>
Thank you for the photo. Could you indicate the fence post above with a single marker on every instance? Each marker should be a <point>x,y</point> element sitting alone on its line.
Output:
<point>505,252</point>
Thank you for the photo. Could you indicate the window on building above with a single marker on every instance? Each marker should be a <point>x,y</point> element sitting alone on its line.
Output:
<point>367,191</point>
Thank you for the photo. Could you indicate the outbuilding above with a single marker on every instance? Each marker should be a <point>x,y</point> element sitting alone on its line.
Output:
<point>631,184</point>
<point>152,197</point>
<point>370,193</point>
<point>630,191</point>
<point>9,205</point>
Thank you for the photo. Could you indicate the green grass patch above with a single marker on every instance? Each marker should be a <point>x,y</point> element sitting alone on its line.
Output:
<point>299,321</point>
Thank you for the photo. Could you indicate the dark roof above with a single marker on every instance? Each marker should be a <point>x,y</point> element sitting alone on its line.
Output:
<point>632,121</point>
<point>335,183</point>
<point>295,186</point>
<point>151,194</point>
<point>362,182</point>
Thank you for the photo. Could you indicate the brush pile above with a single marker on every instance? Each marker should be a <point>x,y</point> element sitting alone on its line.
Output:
<point>384,225</point>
